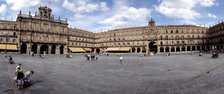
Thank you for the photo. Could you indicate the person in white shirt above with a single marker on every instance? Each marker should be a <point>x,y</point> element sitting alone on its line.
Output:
<point>27,75</point>
<point>121,59</point>
<point>19,66</point>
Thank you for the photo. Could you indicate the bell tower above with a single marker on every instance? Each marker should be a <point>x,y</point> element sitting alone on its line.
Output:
<point>45,12</point>
<point>152,23</point>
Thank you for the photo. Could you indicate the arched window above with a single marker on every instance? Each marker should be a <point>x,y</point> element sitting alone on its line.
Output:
<point>161,43</point>
<point>166,37</point>
<point>161,37</point>
<point>177,31</point>
<point>171,31</point>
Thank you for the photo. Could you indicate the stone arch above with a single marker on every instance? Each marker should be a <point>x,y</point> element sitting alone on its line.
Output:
<point>34,48</point>
<point>152,47</point>
<point>177,49</point>
<point>172,49</point>
<point>43,48</point>
<point>188,48</point>
<point>23,48</point>
<point>198,48</point>
<point>138,50</point>
<point>183,48</point>
<point>133,49</point>
<point>193,48</point>
<point>53,49</point>
<point>62,49</point>
<point>167,49</point>
<point>161,49</point>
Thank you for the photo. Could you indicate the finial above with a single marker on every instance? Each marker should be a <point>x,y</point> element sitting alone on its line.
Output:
<point>29,12</point>
<point>20,12</point>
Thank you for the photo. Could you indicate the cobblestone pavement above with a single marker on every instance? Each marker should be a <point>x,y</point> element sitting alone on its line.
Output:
<point>175,74</point>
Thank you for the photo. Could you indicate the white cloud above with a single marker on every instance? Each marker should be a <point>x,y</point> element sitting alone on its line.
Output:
<point>127,15</point>
<point>21,4</point>
<point>183,9</point>
<point>207,3</point>
<point>82,6</point>
<point>212,15</point>
<point>3,8</point>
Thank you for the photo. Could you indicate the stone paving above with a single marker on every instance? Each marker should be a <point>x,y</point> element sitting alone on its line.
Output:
<point>175,74</point>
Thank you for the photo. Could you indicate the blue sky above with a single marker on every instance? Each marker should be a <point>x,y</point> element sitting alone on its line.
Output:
<point>99,15</point>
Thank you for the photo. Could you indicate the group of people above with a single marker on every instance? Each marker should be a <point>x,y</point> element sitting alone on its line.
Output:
<point>91,57</point>
<point>22,79</point>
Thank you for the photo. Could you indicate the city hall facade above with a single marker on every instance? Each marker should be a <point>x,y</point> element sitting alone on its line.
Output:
<point>43,33</point>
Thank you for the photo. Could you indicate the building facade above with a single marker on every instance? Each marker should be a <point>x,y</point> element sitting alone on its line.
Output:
<point>42,33</point>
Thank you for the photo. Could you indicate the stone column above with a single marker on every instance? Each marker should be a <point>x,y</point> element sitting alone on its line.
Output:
<point>140,49</point>
<point>175,49</point>
<point>169,49</point>
<point>180,48</point>
<point>49,49</point>
<point>28,48</point>
<point>57,50</point>
<point>65,49</point>
<point>136,49</point>
<point>38,48</point>
<point>158,49</point>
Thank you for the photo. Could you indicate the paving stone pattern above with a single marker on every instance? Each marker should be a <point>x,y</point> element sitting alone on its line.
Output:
<point>175,74</point>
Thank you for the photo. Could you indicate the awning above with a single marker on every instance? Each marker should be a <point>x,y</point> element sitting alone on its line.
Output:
<point>8,47</point>
<point>76,49</point>
<point>87,49</point>
<point>125,49</point>
<point>113,49</point>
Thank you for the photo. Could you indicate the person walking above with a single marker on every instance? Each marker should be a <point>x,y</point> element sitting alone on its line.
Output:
<point>121,59</point>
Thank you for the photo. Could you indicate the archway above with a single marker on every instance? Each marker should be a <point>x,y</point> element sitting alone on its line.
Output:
<point>61,49</point>
<point>97,50</point>
<point>43,49</point>
<point>172,49</point>
<point>183,49</point>
<point>53,48</point>
<point>133,49</point>
<point>203,47</point>
<point>138,50</point>
<point>193,48</point>
<point>34,48</point>
<point>161,49</point>
<point>188,48</point>
<point>178,49</point>
<point>153,47</point>
<point>23,48</point>
<point>167,49</point>
<point>198,48</point>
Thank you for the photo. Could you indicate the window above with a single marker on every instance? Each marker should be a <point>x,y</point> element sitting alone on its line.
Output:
<point>7,39</point>
<point>161,43</point>
<point>13,40</point>
<point>171,31</point>
<point>177,31</point>
<point>161,37</point>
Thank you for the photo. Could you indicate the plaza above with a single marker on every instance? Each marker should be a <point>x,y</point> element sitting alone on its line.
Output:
<point>159,74</point>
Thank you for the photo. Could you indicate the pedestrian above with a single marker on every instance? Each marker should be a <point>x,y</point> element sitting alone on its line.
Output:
<point>11,59</point>
<point>19,78</point>
<point>18,67</point>
<point>27,79</point>
<point>121,59</point>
